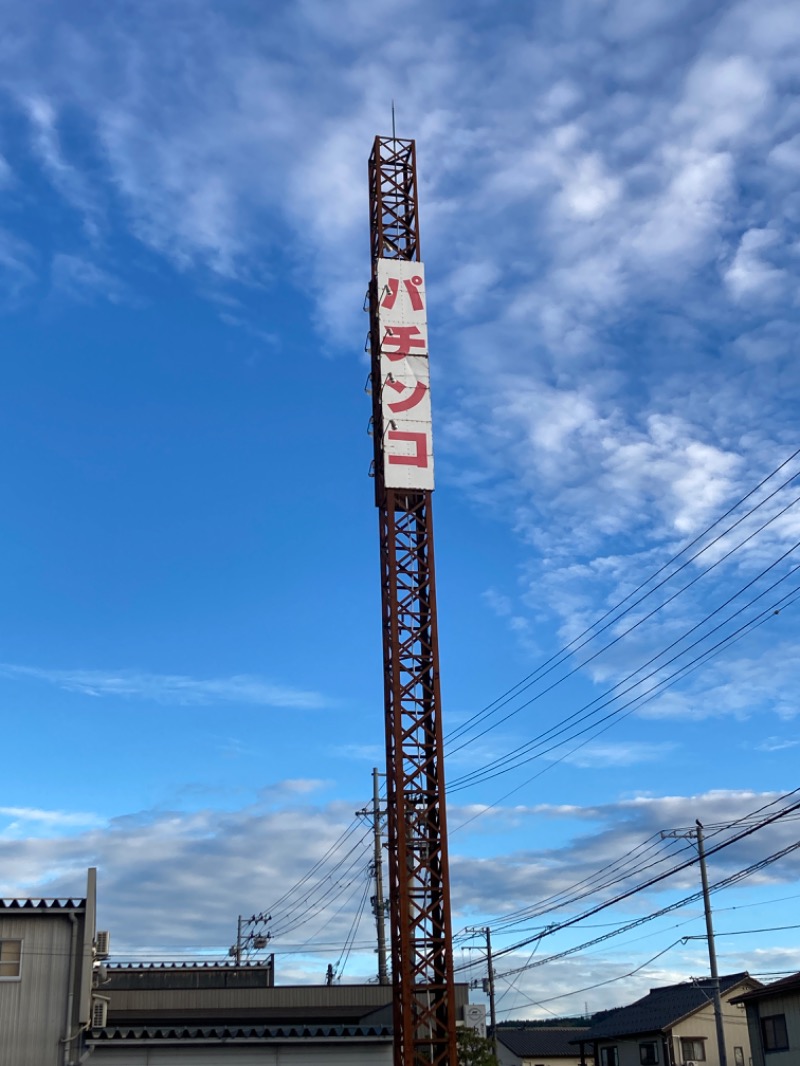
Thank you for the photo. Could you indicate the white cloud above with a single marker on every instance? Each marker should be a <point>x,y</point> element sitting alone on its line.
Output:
<point>777,744</point>
<point>599,755</point>
<point>739,686</point>
<point>17,268</point>
<point>81,279</point>
<point>787,154</point>
<point>68,179</point>
<point>160,889</point>
<point>26,822</point>
<point>171,688</point>
<point>750,275</point>
<point>725,98</point>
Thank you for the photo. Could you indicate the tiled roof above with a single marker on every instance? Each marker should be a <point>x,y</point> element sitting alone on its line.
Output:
<point>260,1033</point>
<point>42,904</point>
<point>661,1008</point>
<point>541,1040</point>
<point>777,988</point>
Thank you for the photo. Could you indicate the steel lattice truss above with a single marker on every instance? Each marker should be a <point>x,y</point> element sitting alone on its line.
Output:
<point>422,968</point>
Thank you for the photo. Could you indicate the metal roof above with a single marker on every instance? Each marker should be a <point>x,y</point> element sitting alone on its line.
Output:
<point>661,1008</point>
<point>541,1040</point>
<point>253,1033</point>
<point>216,965</point>
<point>777,988</point>
<point>42,904</point>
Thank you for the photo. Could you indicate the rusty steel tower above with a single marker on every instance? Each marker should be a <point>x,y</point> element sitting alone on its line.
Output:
<point>419,886</point>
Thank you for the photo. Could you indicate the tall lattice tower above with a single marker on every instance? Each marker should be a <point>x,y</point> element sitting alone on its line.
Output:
<point>419,886</point>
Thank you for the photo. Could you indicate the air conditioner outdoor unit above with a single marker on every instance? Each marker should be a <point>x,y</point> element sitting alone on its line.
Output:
<point>99,1013</point>
<point>690,1062</point>
<point>102,944</point>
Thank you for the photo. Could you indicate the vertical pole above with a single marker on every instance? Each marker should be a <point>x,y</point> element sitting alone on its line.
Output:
<point>492,1013</point>
<point>238,954</point>
<point>89,933</point>
<point>712,954</point>
<point>380,906</point>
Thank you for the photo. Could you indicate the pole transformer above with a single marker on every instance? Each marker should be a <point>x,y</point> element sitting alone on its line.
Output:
<point>419,886</point>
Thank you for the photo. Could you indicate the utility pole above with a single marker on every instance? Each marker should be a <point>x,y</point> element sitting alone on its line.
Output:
<point>712,953</point>
<point>492,1014</point>
<point>378,901</point>
<point>257,940</point>
<point>424,1010</point>
<point>487,984</point>
<point>697,834</point>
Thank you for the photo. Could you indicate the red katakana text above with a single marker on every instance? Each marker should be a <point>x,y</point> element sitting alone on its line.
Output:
<point>402,339</point>
<point>420,442</point>
<point>411,285</point>
<point>416,396</point>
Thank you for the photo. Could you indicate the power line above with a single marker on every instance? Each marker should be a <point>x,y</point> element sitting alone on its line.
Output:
<point>311,909</point>
<point>503,764</point>
<point>598,984</point>
<point>747,830</point>
<point>747,932</point>
<point>723,883</point>
<point>348,944</point>
<point>596,628</point>
<point>320,862</point>
<point>574,645</point>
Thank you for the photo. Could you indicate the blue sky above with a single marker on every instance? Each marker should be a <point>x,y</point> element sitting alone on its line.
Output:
<point>190,662</point>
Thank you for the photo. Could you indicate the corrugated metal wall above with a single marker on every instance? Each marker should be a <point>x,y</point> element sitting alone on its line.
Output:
<point>321,1054</point>
<point>284,1002</point>
<point>303,1003</point>
<point>32,1009</point>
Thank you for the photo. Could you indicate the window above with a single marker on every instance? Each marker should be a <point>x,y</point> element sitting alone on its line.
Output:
<point>609,1056</point>
<point>648,1053</point>
<point>10,959</point>
<point>773,1029</point>
<point>738,1056</point>
<point>693,1049</point>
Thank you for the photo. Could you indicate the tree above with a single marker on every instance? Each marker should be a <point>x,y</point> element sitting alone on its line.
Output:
<point>474,1049</point>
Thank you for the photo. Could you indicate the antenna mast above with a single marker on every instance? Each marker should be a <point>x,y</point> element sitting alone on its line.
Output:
<point>419,886</point>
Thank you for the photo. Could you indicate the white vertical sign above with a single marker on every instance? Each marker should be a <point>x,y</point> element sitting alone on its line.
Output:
<point>405,375</point>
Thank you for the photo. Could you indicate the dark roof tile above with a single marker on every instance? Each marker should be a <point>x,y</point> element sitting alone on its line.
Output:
<point>661,1007</point>
<point>541,1040</point>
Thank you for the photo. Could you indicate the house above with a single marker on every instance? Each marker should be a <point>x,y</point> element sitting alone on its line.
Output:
<point>47,955</point>
<point>675,1025</point>
<point>773,1021</point>
<point>543,1046</point>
